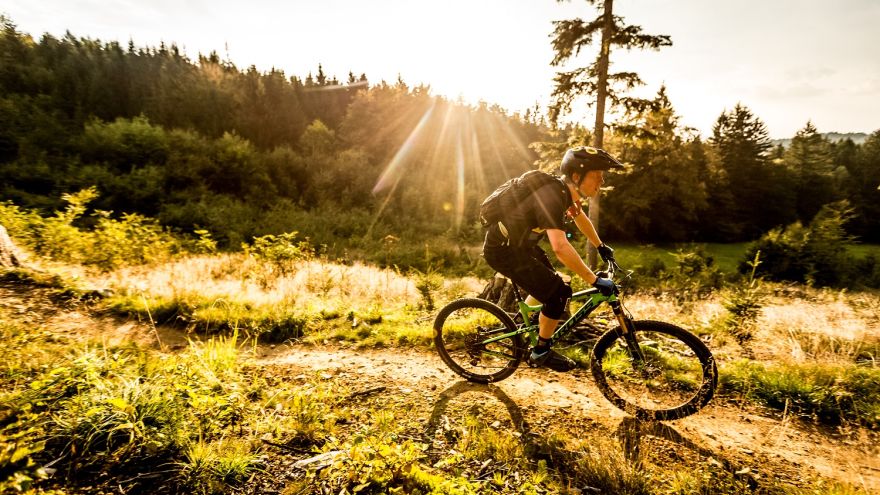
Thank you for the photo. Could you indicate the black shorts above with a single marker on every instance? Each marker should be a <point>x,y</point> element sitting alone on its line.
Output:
<point>530,269</point>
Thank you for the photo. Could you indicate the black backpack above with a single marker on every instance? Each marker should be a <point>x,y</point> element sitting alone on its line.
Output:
<point>511,193</point>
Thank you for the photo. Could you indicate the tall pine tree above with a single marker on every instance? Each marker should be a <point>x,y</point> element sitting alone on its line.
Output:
<point>569,38</point>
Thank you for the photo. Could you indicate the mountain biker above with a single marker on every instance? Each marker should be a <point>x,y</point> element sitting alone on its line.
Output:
<point>511,244</point>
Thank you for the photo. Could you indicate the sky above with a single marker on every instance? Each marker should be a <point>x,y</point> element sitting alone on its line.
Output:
<point>789,61</point>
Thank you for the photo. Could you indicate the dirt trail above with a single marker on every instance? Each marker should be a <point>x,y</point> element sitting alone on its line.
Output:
<point>735,436</point>
<point>743,439</point>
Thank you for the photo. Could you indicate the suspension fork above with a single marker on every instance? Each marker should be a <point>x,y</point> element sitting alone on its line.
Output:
<point>628,331</point>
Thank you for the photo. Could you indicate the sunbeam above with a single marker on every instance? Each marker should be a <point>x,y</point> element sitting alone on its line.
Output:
<point>522,149</point>
<point>394,167</point>
<point>459,197</point>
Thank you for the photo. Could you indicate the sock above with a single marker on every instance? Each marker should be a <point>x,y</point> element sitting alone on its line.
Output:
<point>543,344</point>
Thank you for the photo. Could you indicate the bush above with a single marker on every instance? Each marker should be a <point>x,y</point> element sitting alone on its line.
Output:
<point>278,256</point>
<point>695,275</point>
<point>129,240</point>
<point>815,254</point>
<point>744,303</point>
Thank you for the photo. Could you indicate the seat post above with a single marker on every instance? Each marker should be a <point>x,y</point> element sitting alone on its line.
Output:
<point>516,293</point>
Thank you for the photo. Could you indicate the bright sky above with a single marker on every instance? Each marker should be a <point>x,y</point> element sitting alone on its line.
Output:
<point>787,60</point>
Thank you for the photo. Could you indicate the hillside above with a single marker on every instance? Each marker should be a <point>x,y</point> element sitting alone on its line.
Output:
<point>834,137</point>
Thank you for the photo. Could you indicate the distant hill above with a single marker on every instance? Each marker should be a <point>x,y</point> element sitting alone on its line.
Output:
<point>857,137</point>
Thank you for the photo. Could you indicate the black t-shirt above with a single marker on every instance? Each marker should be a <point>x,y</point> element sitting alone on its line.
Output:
<point>526,222</point>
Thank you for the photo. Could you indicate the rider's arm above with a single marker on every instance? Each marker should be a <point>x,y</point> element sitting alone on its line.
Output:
<point>586,226</point>
<point>569,256</point>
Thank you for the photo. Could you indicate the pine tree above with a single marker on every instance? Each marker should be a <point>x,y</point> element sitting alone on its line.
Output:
<point>810,160</point>
<point>662,197</point>
<point>746,182</point>
<point>569,38</point>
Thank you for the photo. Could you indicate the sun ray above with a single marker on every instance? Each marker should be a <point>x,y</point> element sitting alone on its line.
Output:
<point>493,143</point>
<point>395,166</point>
<point>459,197</point>
<point>521,148</point>
<point>477,163</point>
<point>441,138</point>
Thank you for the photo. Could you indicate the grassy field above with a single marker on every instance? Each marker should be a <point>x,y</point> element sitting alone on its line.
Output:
<point>727,257</point>
<point>204,415</point>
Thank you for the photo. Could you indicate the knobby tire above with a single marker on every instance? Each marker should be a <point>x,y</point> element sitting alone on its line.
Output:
<point>462,326</point>
<point>677,377</point>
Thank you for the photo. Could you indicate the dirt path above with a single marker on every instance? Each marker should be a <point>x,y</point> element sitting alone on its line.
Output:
<point>758,444</point>
<point>739,438</point>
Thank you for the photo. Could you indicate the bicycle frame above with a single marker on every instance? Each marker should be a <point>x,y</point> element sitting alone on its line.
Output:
<point>593,299</point>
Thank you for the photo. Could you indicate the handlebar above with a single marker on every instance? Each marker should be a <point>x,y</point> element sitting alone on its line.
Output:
<point>611,267</point>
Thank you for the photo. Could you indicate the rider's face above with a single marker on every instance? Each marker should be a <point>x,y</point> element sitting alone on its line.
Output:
<point>592,182</point>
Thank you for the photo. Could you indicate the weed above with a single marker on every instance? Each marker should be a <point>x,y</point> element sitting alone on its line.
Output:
<point>280,253</point>
<point>601,466</point>
<point>744,304</point>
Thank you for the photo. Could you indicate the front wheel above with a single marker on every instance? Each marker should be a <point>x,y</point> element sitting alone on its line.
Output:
<point>477,340</point>
<point>657,372</point>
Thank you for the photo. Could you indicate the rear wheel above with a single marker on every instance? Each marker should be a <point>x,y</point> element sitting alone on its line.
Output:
<point>461,331</point>
<point>658,372</point>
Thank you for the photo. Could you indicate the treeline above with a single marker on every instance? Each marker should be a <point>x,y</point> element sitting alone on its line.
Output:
<point>243,153</point>
<point>736,186</point>
<point>358,165</point>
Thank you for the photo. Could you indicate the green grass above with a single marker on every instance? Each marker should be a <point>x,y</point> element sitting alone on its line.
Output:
<point>726,256</point>
<point>96,412</point>
<point>832,394</point>
<point>863,250</point>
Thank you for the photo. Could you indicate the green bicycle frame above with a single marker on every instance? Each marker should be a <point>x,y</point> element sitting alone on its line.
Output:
<point>593,299</point>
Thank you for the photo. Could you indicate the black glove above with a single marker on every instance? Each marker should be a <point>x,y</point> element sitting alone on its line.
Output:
<point>605,252</point>
<point>605,286</point>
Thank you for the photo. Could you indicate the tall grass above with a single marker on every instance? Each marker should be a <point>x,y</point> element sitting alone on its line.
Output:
<point>311,298</point>
<point>197,417</point>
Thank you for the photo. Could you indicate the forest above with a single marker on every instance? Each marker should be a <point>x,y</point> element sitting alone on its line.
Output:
<point>353,164</point>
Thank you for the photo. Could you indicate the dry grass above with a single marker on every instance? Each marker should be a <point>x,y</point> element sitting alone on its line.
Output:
<point>315,298</point>
<point>821,325</point>
<point>233,276</point>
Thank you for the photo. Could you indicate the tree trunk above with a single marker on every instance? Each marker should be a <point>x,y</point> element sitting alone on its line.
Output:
<point>599,129</point>
<point>9,257</point>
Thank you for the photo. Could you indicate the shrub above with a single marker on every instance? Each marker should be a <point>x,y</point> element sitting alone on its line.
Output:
<point>744,302</point>
<point>282,252</point>
<point>815,254</point>
<point>129,240</point>
<point>695,275</point>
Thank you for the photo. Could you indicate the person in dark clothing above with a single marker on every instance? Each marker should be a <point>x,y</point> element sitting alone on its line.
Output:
<point>511,244</point>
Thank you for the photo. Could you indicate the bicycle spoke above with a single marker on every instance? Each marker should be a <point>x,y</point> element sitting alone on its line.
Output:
<point>473,339</point>
<point>659,370</point>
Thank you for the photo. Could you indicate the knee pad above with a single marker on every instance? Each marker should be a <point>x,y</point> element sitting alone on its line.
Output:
<point>555,304</point>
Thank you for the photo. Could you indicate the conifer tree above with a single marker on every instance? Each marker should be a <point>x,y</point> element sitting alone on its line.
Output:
<point>572,36</point>
<point>746,182</point>
<point>810,160</point>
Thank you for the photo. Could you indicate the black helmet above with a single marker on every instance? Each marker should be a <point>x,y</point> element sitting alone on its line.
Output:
<point>586,158</point>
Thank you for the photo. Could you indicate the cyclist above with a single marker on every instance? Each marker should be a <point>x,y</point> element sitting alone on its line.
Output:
<point>511,244</point>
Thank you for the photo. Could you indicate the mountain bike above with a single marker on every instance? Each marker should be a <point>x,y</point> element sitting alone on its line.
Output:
<point>650,369</point>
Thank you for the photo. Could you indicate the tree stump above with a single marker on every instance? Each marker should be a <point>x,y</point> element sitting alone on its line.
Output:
<point>9,254</point>
<point>499,290</point>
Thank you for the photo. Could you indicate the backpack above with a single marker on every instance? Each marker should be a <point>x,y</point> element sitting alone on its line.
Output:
<point>511,193</point>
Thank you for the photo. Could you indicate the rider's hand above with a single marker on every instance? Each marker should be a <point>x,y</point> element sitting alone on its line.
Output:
<point>605,252</point>
<point>605,286</point>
